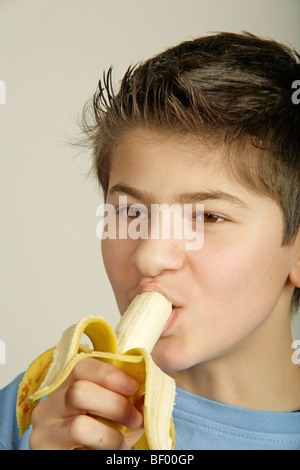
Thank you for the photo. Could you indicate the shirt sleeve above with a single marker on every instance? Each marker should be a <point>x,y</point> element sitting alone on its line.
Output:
<point>9,431</point>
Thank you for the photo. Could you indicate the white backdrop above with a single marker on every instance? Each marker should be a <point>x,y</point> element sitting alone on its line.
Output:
<point>52,53</point>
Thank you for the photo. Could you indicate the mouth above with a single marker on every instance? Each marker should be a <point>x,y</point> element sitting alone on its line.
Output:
<point>176,308</point>
<point>155,288</point>
<point>171,320</point>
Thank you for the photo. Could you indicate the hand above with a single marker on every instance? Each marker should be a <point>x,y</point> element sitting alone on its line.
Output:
<point>66,420</point>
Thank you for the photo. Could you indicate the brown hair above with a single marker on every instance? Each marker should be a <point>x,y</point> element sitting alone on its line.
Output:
<point>231,89</point>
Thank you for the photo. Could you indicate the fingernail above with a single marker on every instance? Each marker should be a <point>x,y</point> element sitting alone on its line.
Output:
<point>130,385</point>
<point>136,419</point>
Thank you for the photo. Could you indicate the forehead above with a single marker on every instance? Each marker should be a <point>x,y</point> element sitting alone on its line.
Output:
<point>168,160</point>
<point>153,140</point>
<point>142,148</point>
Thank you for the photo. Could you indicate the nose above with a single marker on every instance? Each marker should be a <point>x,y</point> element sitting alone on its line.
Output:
<point>152,256</point>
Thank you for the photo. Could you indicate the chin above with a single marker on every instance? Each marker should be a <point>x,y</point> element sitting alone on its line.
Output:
<point>169,361</point>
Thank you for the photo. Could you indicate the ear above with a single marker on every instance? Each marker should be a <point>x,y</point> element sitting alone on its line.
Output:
<point>295,275</point>
<point>295,271</point>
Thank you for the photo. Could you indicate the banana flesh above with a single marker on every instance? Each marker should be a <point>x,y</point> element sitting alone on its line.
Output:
<point>142,323</point>
<point>128,348</point>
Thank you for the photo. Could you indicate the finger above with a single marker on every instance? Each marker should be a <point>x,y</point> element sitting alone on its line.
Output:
<point>83,396</point>
<point>85,431</point>
<point>106,375</point>
<point>76,432</point>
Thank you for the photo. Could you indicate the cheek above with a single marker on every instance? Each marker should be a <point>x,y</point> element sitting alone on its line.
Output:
<point>241,273</point>
<point>108,256</point>
<point>114,259</point>
<point>116,256</point>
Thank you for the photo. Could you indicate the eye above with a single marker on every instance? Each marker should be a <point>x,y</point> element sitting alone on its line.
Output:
<point>132,212</point>
<point>210,218</point>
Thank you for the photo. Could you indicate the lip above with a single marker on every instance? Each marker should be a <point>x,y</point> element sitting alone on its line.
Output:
<point>171,320</point>
<point>176,306</point>
<point>155,288</point>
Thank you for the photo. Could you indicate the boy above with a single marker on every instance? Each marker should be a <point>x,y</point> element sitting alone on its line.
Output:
<point>209,121</point>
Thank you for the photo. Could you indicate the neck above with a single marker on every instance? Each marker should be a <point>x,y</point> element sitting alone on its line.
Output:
<point>258,374</point>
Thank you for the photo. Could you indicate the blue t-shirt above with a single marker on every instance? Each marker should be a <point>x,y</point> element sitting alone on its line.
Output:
<point>199,424</point>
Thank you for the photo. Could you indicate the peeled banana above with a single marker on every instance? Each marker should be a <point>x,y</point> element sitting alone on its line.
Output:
<point>128,348</point>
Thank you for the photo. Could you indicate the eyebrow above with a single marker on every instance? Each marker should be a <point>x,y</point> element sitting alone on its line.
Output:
<point>183,198</point>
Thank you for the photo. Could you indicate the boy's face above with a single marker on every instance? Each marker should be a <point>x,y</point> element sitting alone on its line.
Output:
<point>227,292</point>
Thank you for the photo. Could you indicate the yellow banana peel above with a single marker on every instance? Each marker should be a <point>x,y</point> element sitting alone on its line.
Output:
<point>128,348</point>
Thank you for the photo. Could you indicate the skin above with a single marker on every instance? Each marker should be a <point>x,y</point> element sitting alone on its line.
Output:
<point>230,334</point>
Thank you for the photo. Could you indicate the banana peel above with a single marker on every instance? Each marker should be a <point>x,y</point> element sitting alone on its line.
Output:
<point>51,369</point>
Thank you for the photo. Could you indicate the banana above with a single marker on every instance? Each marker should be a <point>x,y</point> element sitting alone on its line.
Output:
<point>128,348</point>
